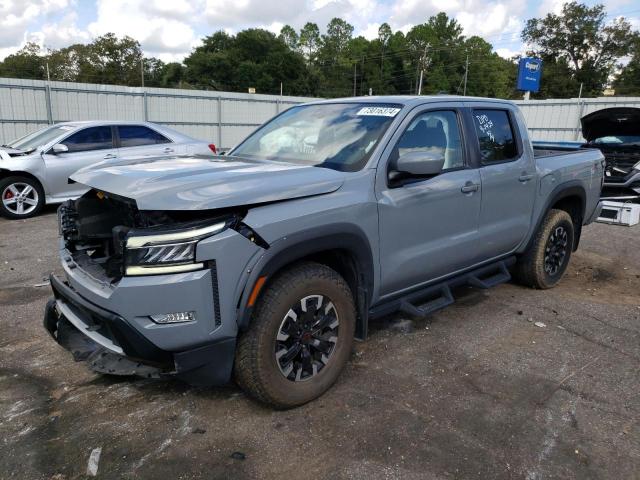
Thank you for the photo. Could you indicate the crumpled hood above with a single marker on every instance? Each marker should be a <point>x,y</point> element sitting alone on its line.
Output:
<point>199,183</point>
<point>611,121</point>
<point>8,152</point>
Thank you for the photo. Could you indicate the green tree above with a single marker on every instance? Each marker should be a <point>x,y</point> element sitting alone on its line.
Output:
<point>581,36</point>
<point>289,36</point>
<point>28,62</point>
<point>309,40</point>
<point>628,80</point>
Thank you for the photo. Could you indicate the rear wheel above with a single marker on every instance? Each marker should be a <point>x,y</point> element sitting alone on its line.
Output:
<point>21,197</point>
<point>300,338</point>
<point>543,265</point>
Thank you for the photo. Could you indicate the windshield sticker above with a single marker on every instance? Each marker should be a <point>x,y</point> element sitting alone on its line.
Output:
<point>379,111</point>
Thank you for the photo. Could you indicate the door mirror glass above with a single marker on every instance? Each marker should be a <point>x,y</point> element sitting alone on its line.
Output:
<point>420,163</point>
<point>60,148</point>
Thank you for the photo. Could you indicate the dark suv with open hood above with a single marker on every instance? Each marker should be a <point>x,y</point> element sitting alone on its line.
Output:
<point>616,133</point>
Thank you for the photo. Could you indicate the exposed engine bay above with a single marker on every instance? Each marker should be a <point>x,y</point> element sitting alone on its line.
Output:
<point>96,226</point>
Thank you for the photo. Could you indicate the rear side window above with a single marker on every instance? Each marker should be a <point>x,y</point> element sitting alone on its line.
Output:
<point>138,135</point>
<point>495,134</point>
<point>92,138</point>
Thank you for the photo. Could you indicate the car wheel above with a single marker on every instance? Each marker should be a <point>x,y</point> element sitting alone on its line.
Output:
<point>22,197</point>
<point>543,265</point>
<point>300,337</point>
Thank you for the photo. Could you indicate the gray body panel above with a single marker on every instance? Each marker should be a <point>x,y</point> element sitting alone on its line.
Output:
<point>207,183</point>
<point>406,237</point>
<point>54,170</point>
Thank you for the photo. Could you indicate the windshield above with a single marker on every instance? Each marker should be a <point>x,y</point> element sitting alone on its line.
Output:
<point>340,136</point>
<point>41,137</point>
<point>618,139</point>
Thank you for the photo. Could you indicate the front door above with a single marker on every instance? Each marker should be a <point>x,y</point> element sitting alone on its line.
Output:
<point>85,147</point>
<point>428,226</point>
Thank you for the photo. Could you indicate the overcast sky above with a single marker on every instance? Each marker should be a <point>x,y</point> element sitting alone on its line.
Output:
<point>169,29</point>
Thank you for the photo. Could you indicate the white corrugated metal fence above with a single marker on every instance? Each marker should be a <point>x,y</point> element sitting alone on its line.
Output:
<point>559,120</point>
<point>223,118</point>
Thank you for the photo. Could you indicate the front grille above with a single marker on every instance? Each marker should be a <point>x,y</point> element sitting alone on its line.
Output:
<point>215,291</point>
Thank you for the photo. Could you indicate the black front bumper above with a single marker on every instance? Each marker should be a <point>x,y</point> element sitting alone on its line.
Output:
<point>210,364</point>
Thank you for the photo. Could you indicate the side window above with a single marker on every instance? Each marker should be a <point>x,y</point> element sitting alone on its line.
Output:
<point>92,138</point>
<point>138,135</point>
<point>436,132</point>
<point>495,134</point>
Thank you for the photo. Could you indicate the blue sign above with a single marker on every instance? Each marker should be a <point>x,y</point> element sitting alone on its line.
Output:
<point>529,73</point>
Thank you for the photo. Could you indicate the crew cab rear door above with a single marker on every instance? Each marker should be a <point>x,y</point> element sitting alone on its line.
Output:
<point>428,226</point>
<point>508,174</point>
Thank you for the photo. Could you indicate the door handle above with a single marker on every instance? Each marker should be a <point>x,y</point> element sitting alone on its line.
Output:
<point>109,156</point>
<point>168,150</point>
<point>525,177</point>
<point>470,187</point>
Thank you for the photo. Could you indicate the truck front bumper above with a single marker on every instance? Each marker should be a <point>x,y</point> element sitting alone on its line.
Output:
<point>109,344</point>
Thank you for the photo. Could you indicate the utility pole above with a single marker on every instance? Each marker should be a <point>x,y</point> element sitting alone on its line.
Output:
<point>142,71</point>
<point>355,72</point>
<point>48,77</point>
<point>466,72</point>
<point>423,62</point>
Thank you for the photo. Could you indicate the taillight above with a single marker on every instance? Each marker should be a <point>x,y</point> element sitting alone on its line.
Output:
<point>213,148</point>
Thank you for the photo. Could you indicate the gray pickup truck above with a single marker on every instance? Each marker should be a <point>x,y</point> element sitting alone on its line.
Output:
<point>266,263</point>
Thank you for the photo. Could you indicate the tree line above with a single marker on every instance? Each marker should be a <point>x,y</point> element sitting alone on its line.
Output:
<point>581,50</point>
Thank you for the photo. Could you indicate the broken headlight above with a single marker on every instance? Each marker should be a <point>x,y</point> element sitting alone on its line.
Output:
<point>163,253</point>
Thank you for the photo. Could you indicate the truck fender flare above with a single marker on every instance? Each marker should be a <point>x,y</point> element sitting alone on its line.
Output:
<point>288,249</point>
<point>572,188</point>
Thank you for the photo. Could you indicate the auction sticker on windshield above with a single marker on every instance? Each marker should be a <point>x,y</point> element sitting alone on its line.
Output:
<point>379,111</point>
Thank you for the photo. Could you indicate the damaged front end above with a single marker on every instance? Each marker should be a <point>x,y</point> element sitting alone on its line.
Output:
<point>138,300</point>
<point>108,237</point>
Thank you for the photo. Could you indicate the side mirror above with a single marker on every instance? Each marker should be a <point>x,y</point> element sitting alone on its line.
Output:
<point>420,163</point>
<point>59,148</point>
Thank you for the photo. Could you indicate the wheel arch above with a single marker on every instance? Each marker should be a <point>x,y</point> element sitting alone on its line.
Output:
<point>572,198</point>
<point>4,173</point>
<point>344,248</point>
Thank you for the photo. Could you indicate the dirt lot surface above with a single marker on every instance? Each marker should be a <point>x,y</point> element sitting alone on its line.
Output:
<point>479,390</point>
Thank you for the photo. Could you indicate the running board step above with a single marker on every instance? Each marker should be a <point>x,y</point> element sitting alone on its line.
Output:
<point>444,300</point>
<point>502,276</point>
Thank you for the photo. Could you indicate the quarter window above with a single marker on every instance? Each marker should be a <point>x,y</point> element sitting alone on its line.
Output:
<point>138,135</point>
<point>92,138</point>
<point>495,134</point>
<point>434,132</point>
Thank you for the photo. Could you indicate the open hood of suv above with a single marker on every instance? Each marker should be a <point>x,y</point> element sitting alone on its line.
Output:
<point>199,183</point>
<point>611,122</point>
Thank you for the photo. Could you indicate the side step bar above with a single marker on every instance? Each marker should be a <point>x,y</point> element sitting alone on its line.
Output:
<point>426,301</point>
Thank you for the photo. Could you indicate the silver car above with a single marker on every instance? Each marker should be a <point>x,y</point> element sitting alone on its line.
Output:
<point>34,169</point>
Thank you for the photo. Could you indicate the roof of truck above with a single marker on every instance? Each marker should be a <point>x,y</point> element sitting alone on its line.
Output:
<point>411,100</point>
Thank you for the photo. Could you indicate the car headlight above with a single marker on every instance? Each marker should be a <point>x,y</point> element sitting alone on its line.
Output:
<point>163,253</point>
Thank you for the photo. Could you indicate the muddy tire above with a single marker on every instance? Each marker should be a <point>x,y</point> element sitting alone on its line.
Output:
<point>300,337</point>
<point>543,265</point>
<point>20,197</point>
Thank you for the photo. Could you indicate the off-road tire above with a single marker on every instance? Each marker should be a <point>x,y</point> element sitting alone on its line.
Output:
<point>256,369</point>
<point>5,182</point>
<point>530,268</point>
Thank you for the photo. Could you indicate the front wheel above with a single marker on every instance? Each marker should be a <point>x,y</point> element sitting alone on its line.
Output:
<point>300,337</point>
<point>546,260</point>
<point>21,197</point>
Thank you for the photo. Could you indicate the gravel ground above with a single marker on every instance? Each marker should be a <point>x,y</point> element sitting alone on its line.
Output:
<point>506,383</point>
